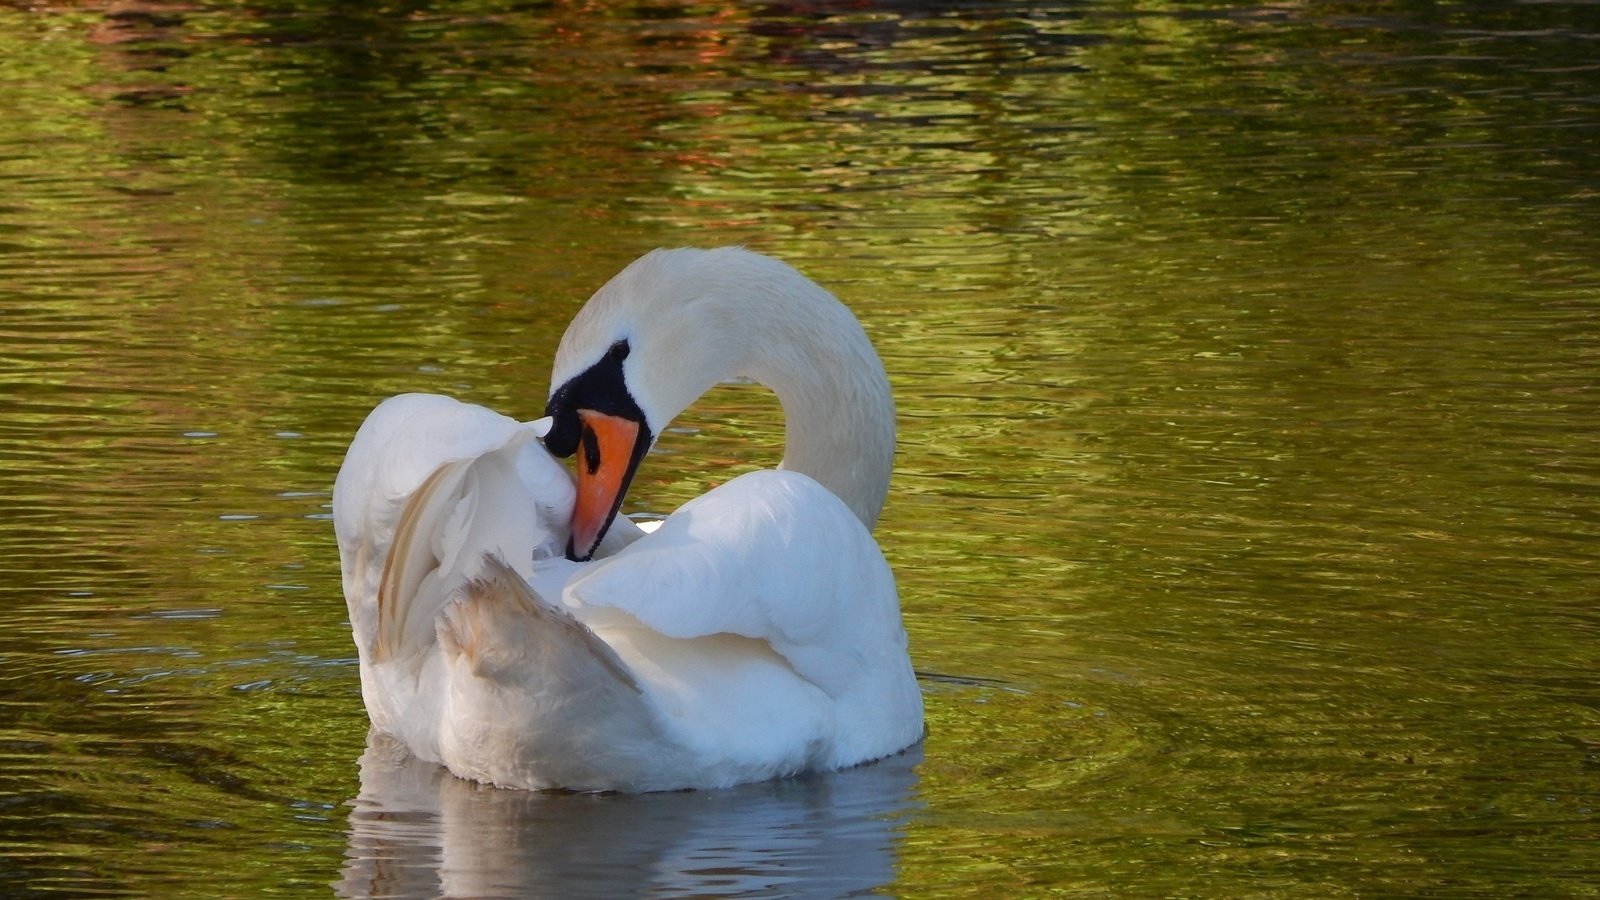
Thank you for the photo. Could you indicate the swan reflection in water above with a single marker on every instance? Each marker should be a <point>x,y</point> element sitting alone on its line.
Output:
<point>417,830</point>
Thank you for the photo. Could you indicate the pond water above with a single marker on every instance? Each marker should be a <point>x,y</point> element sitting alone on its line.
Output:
<point>1247,508</point>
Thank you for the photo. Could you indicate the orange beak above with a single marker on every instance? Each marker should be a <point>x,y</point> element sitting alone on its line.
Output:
<point>609,451</point>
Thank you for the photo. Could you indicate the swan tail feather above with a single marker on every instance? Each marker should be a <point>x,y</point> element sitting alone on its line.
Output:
<point>536,700</point>
<point>496,622</point>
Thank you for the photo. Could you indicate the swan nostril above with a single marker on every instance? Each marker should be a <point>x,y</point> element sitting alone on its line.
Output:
<point>591,450</point>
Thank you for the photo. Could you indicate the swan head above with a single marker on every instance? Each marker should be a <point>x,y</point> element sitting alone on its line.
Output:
<point>644,347</point>
<point>674,323</point>
<point>595,412</point>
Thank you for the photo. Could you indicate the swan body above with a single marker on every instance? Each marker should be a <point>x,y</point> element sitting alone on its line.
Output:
<point>510,627</point>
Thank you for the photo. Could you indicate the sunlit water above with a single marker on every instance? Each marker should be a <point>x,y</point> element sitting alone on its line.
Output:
<point>1248,496</point>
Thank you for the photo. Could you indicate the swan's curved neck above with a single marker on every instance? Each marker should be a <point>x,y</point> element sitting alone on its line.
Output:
<point>688,319</point>
<point>838,413</point>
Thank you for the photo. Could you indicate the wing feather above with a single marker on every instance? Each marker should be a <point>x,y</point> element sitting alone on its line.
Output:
<point>772,556</point>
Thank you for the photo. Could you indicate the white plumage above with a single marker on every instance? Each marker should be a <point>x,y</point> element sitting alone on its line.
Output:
<point>756,633</point>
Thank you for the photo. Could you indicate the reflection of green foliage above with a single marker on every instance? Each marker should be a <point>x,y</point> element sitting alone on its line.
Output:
<point>1243,354</point>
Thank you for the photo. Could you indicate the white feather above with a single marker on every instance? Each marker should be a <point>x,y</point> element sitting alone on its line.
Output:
<point>755,633</point>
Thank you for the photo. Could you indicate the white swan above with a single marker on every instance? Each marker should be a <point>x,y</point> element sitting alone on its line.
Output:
<point>755,634</point>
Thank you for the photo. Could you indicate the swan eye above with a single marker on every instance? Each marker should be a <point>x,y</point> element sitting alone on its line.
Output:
<point>619,351</point>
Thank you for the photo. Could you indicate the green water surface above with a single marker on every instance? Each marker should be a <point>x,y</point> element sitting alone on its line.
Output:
<point>1247,357</point>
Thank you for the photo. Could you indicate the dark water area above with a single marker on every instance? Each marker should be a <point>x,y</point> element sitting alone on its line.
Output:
<point>1246,513</point>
